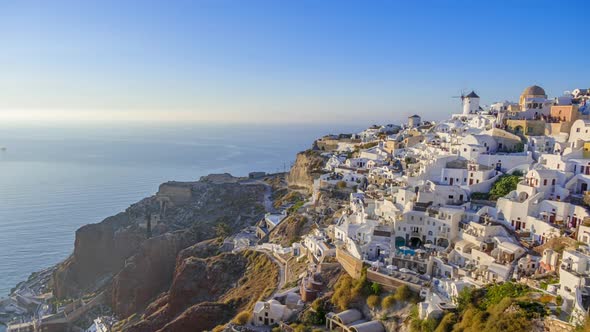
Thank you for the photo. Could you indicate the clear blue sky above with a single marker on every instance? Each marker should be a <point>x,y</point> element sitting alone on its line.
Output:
<point>281,61</point>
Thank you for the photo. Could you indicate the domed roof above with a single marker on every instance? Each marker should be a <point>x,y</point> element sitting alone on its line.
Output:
<point>534,90</point>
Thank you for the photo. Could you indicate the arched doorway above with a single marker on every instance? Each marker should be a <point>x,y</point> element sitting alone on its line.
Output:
<point>415,242</point>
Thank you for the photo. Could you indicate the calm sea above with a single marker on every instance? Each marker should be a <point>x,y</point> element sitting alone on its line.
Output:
<point>54,180</point>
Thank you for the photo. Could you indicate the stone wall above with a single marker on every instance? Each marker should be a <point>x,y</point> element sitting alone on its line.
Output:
<point>178,193</point>
<point>352,265</point>
<point>389,283</point>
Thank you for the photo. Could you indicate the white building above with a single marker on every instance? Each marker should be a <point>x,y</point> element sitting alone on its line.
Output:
<point>574,274</point>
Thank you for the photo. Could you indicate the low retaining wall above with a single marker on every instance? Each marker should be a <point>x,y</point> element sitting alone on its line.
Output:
<point>389,283</point>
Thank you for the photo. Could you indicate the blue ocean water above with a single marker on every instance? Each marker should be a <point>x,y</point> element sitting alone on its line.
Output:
<point>54,180</point>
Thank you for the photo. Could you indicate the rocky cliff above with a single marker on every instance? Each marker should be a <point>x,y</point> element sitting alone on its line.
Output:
<point>134,253</point>
<point>208,289</point>
<point>307,167</point>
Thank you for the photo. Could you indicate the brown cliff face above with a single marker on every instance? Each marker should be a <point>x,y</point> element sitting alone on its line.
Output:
<point>147,273</point>
<point>117,250</point>
<point>100,251</point>
<point>209,291</point>
<point>200,317</point>
<point>308,167</point>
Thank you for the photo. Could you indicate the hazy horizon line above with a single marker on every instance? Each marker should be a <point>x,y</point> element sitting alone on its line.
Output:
<point>135,117</point>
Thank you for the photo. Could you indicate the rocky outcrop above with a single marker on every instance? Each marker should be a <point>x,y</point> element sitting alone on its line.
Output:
<point>100,251</point>
<point>200,317</point>
<point>136,250</point>
<point>290,230</point>
<point>148,272</point>
<point>209,291</point>
<point>307,167</point>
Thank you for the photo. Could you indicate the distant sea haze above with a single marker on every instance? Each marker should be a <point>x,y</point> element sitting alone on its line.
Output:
<point>54,180</point>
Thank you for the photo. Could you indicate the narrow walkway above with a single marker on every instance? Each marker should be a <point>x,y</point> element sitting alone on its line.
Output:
<point>282,274</point>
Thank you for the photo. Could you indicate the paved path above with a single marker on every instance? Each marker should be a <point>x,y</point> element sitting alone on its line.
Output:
<point>268,203</point>
<point>282,274</point>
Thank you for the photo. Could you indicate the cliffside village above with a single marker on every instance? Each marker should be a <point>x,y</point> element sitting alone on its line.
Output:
<point>420,214</point>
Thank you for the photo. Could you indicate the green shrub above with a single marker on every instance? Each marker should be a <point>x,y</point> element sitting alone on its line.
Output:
<point>348,290</point>
<point>503,186</point>
<point>447,322</point>
<point>316,316</point>
<point>388,302</point>
<point>532,309</point>
<point>403,293</point>
<point>295,207</point>
<point>373,301</point>
<point>426,325</point>
<point>495,293</point>
<point>376,288</point>
<point>486,309</point>
<point>242,318</point>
